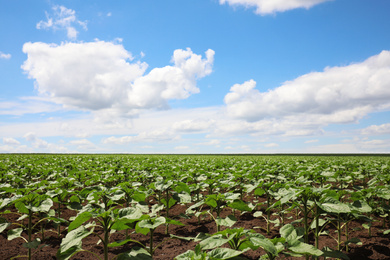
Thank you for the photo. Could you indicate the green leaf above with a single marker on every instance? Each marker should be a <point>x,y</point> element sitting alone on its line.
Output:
<point>14,233</point>
<point>335,206</point>
<point>130,213</point>
<point>361,206</point>
<point>44,206</point>
<point>3,226</point>
<point>223,253</point>
<point>122,242</point>
<point>213,242</point>
<point>289,233</point>
<point>182,238</point>
<point>21,207</point>
<point>152,223</point>
<point>264,243</point>
<point>240,205</point>
<point>353,240</point>
<point>181,186</point>
<point>33,244</point>
<point>335,254</point>
<point>80,219</point>
<point>305,249</point>
<point>258,214</point>
<point>71,243</point>
<point>321,222</point>
<point>211,202</point>
<point>174,222</point>
<point>137,253</point>
<point>227,222</point>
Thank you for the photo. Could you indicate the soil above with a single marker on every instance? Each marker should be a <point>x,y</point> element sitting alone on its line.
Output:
<point>375,247</point>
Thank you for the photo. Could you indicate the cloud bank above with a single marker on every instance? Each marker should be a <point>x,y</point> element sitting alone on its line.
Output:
<point>336,95</point>
<point>264,7</point>
<point>62,18</point>
<point>102,76</point>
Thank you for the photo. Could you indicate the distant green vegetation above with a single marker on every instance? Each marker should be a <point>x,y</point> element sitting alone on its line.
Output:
<point>114,193</point>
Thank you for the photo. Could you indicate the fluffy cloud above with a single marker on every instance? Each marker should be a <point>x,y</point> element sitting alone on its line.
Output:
<point>161,135</point>
<point>336,95</point>
<point>5,55</point>
<point>264,7</point>
<point>377,129</point>
<point>195,125</point>
<point>10,141</point>
<point>62,19</point>
<point>100,76</point>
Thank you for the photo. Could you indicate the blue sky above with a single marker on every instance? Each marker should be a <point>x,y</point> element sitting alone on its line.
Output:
<point>205,76</point>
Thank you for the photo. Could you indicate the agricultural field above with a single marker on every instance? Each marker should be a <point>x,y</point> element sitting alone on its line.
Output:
<point>194,207</point>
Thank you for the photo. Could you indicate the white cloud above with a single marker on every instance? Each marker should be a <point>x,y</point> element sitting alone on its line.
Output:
<point>183,147</point>
<point>10,141</point>
<point>5,56</point>
<point>83,144</point>
<point>377,129</point>
<point>336,95</point>
<point>62,19</point>
<point>264,7</point>
<point>27,106</point>
<point>212,142</point>
<point>156,136</point>
<point>99,76</point>
<point>270,145</point>
<point>311,141</point>
<point>194,125</point>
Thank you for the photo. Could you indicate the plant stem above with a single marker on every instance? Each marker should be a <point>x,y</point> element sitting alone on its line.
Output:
<point>339,232</point>
<point>151,251</point>
<point>29,230</point>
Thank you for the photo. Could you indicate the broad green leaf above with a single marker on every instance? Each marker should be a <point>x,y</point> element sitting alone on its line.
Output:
<point>289,233</point>
<point>182,238</point>
<point>239,205</point>
<point>353,240</point>
<point>21,207</point>
<point>259,192</point>
<point>335,206</point>
<point>258,214</point>
<point>3,226</point>
<point>188,255</point>
<point>174,222</point>
<point>71,243</point>
<point>264,243</point>
<point>122,242</point>
<point>227,222</point>
<point>305,249</point>
<point>361,206</point>
<point>223,253</point>
<point>137,253</point>
<point>181,186</point>
<point>44,206</point>
<point>14,233</point>
<point>321,222</point>
<point>335,254</point>
<point>138,196</point>
<point>172,202</point>
<point>183,197</point>
<point>33,244</point>
<point>211,202</point>
<point>152,223</point>
<point>213,242</point>
<point>80,219</point>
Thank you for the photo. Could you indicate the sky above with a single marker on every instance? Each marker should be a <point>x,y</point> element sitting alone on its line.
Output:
<point>195,76</point>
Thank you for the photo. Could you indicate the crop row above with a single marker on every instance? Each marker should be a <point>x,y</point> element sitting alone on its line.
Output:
<point>304,197</point>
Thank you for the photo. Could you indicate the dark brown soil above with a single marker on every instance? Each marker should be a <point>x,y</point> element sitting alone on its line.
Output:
<point>375,247</point>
